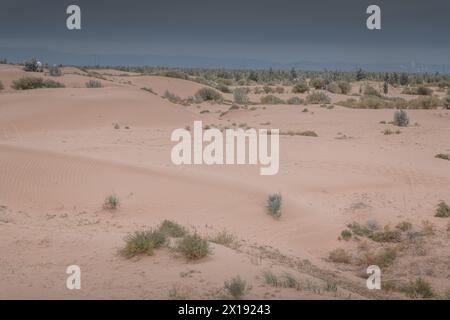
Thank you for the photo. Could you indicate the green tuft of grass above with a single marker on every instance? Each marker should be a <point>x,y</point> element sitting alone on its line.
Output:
<point>273,205</point>
<point>93,84</point>
<point>172,229</point>
<point>419,289</point>
<point>346,235</point>
<point>194,247</point>
<point>236,287</point>
<point>225,239</point>
<point>386,235</point>
<point>28,83</point>
<point>318,97</point>
<point>442,210</point>
<point>143,242</point>
<point>111,202</point>
<point>339,256</point>
<point>271,279</point>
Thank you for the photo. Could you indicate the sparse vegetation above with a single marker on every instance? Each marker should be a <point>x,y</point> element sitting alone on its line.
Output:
<point>240,96</point>
<point>300,87</point>
<point>444,156</point>
<point>226,239</point>
<point>317,97</point>
<point>208,94</point>
<point>339,256</point>
<point>93,84</point>
<point>172,229</point>
<point>111,202</point>
<point>270,278</point>
<point>35,83</point>
<point>419,289</point>
<point>148,89</point>
<point>143,242</point>
<point>1,86</point>
<point>32,66</point>
<point>386,235</point>
<point>236,287</point>
<point>271,99</point>
<point>401,118</point>
<point>295,101</point>
<point>194,246</point>
<point>346,234</point>
<point>274,205</point>
<point>442,210</point>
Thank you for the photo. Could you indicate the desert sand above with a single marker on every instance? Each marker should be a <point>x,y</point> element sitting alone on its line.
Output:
<point>61,154</point>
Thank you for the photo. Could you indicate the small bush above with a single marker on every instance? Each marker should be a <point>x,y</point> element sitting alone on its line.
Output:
<point>442,210</point>
<point>339,256</point>
<point>339,87</point>
<point>194,247</point>
<point>424,91</point>
<point>236,287</point>
<point>427,102</point>
<point>360,230</point>
<point>270,99</point>
<point>317,83</point>
<point>346,234</point>
<point>385,257</point>
<point>419,289</point>
<point>240,96</point>
<point>93,84</point>
<point>208,94</point>
<point>172,229</point>
<point>404,226</point>
<point>318,98</point>
<point>225,239</point>
<point>176,293</point>
<point>270,278</point>
<point>223,88</point>
<point>111,202</point>
<point>444,156</point>
<point>55,71</point>
<point>401,118</point>
<point>33,66</point>
<point>386,235</point>
<point>308,133</point>
<point>371,91</point>
<point>295,100</point>
<point>143,242</point>
<point>35,83</point>
<point>274,205</point>
<point>148,89</point>
<point>301,87</point>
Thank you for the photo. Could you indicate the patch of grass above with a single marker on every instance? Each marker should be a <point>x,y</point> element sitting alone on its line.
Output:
<point>289,281</point>
<point>194,247</point>
<point>346,235</point>
<point>427,228</point>
<point>404,226</point>
<point>240,96</point>
<point>371,91</point>
<point>172,229</point>
<point>111,202</point>
<point>143,242</point>
<point>318,97</point>
<point>270,278</point>
<point>225,239</point>
<point>419,289</point>
<point>208,94</point>
<point>273,205</point>
<point>176,293</point>
<point>442,210</point>
<point>93,84</point>
<point>385,257</point>
<point>359,229</point>
<point>236,287</point>
<point>29,83</point>
<point>443,156</point>
<point>386,235</point>
<point>308,133</point>
<point>295,101</point>
<point>339,256</point>
<point>271,99</point>
<point>330,286</point>
<point>300,87</point>
<point>426,102</point>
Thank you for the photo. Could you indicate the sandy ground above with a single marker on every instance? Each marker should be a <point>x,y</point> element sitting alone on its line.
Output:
<point>60,156</point>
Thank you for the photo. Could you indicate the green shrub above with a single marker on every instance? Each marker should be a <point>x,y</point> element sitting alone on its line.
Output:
<point>93,84</point>
<point>444,156</point>
<point>385,257</point>
<point>32,66</point>
<point>236,287</point>
<point>174,74</point>
<point>339,87</point>
<point>240,96</point>
<point>318,97</point>
<point>270,99</point>
<point>208,94</point>
<point>359,229</point>
<point>225,239</point>
<point>346,234</point>
<point>401,118</point>
<point>295,100</point>
<point>111,202</point>
<point>172,229</point>
<point>424,91</point>
<point>28,83</point>
<point>143,242</point>
<point>404,226</point>
<point>270,278</point>
<point>317,83</point>
<point>172,97</point>
<point>223,88</point>
<point>386,235</point>
<point>442,210</point>
<point>419,289</point>
<point>373,102</point>
<point>274,204</point>
<point>300,87</point>
<point>194,247</point>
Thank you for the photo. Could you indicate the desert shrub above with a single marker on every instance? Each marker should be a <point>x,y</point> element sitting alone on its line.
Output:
<point>371,91</point>
<point>443,156</point>
<point>111,202</point>
<point>93,84</point>
<point>268,89</point>
<point>1,86</point>
<point>295,100</point>
<point>346,234</point>
<point>300,87</point>
<point>176,293</point>
<point>339,256</point>
<point>308,133</point>
<point>270,278</point>
<point>172,97</point>
<point>236,287</point>
<point>360,230</point>
<point>225,239</point>
<point>427,228</point>
<point>289,281</point>
<point>386,235</point>
<point>317,97</point>
<point>424,91</point>
<point>55,71</point>
<point>208,94</point>
<point>279,90</point>
<point>143,242</point>
<point>172,229</point>
<point>271,99</point>
<point>442,210</point>
<point>419,289</point>
<point>404,226</point>
<point>385,257</point>
<point>240,96</point>
<point>193,246</point>
<point>32,66</point>
<point>373,102</point>
<point>317,83</point>
<point>427,102</point>
<point>273,205</point>
<point>35,83</point>
<point>223,88</point>
<point>339,87</point>
<point>401,118</point>
<point>334,88</point>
